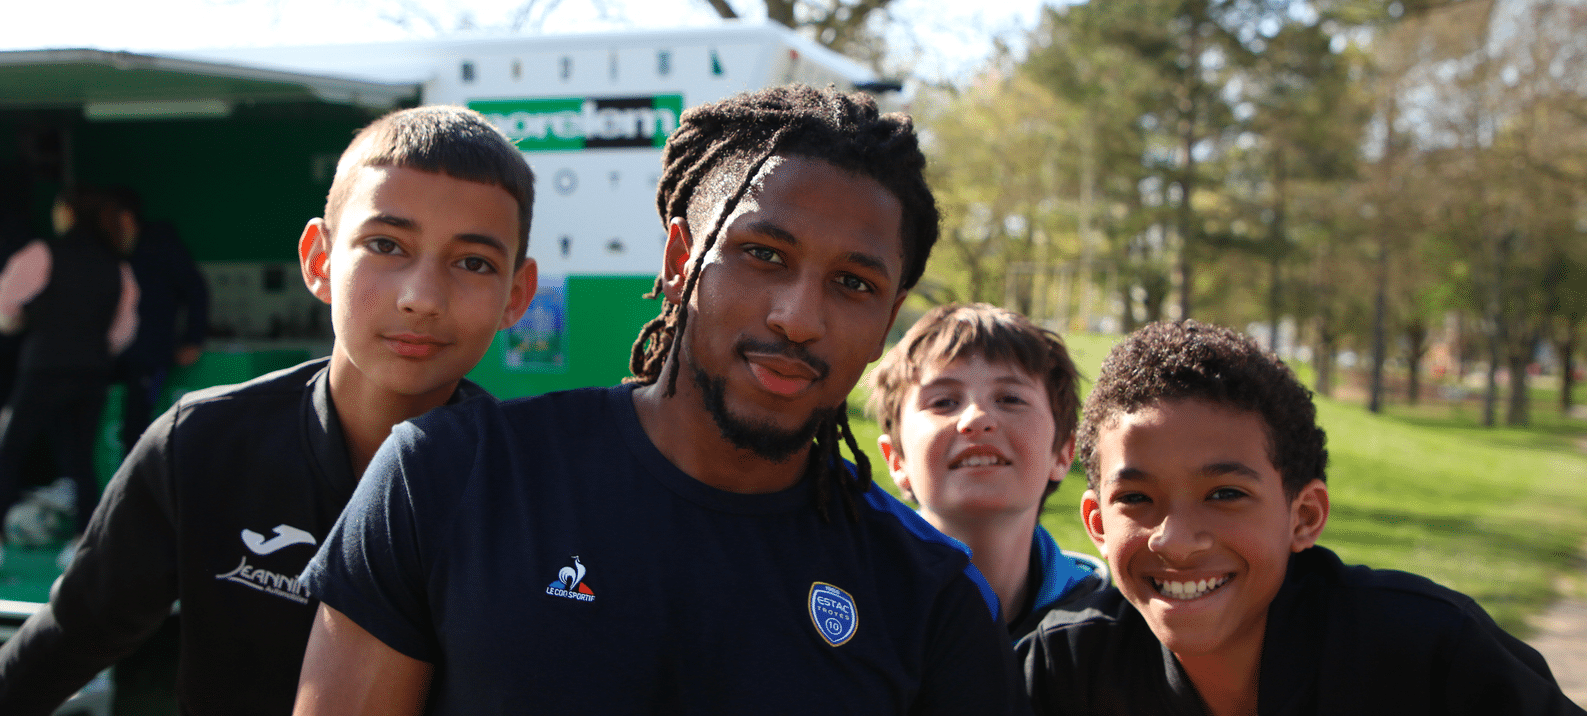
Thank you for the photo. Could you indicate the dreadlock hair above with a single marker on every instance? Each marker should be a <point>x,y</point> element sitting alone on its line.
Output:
<point>733,139</point>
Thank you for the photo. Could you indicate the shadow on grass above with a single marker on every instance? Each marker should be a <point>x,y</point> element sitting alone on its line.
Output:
<point>1548,429</point>
<point>1485,561</point>
<point>1377,527</point>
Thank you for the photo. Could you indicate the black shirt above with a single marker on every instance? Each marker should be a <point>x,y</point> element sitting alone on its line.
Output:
<point>1339,640</point>
<point>220,504</point>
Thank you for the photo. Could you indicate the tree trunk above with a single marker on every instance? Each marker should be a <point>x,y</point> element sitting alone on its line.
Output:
<point>1490,388</point>
<point>781,12</point>
<point>1379,318</point>
<point>1498,330</point>
<point>1381,226</point>
<point>1567,378</point>
<point>1127,316</point>
<point>1519,408</point>
<point>1275,291</point>
<point>724,10</point>
<point>1324,360</point>
<point>1187,180</point>
<point>1416,337</point>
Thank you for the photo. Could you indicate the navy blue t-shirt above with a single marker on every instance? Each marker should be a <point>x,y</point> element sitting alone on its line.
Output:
<point>544,555</point>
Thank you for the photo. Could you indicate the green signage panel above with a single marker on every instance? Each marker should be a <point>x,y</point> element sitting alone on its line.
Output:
<point>576,123</point>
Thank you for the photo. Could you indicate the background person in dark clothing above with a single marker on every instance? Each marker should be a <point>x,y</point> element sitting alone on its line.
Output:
<point>169,287</point>
<point>73,300</point>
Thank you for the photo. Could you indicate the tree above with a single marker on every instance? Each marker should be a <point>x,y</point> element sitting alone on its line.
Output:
<point>996,159</point>
<point>842,25</point>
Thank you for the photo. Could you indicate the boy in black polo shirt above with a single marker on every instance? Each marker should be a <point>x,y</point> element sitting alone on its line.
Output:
<point>422,256</point>
<point>1205,469</point>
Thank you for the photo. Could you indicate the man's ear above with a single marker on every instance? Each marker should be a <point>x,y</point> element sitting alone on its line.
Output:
<point>314,253</point>
<point>524,284</point>
<point>675,259</point>
<point>1091,515</point>
<point>881,346</point>
<point>1308,514</point>
<point>895,467</point>
<point>1062,461</point>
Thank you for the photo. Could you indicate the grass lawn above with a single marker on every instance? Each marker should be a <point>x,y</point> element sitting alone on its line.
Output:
<point>1495,513</point>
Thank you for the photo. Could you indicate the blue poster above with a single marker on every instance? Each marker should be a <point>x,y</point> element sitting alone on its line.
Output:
<point>537,343</point>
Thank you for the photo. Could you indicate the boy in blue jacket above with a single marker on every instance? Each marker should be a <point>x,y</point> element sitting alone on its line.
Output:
<point>978,408</point>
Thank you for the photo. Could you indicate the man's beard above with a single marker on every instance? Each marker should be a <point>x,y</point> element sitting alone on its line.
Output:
<point>759,437</point>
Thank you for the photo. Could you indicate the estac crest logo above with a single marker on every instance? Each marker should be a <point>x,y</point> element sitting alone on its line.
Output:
<point>570,583</point>
<point>832,611</point>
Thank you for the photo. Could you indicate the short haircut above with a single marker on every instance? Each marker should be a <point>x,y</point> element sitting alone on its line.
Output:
<point>1186,360</point>
<point>714,157</point>
<point>958,331</point>
<point>442,139</point>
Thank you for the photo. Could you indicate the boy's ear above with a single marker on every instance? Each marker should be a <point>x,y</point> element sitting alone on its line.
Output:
<point>1308,514</point>
<point>1064,459</point>
<point>895,467</point>
<point>314,253</point>
<point>1091,515</point>
<point>675,259</point>
<point>525,281</point>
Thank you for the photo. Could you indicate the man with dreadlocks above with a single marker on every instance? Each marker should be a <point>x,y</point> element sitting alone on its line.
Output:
<point>692,541</point>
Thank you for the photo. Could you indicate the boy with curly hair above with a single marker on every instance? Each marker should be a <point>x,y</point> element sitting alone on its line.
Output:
<point>1205,470</point>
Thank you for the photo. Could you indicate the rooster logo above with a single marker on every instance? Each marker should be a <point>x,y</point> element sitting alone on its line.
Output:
<point>571,576</point>
<point>570,583</point>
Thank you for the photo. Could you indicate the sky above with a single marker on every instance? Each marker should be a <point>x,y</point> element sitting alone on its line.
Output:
<point>953,39</point>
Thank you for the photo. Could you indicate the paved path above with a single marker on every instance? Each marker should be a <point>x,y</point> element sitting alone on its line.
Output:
<point>1562,637</point>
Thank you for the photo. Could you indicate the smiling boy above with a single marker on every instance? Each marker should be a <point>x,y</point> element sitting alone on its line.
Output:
<point>421,254</point>
<point>978,409</point>
<point>690,542</point>
<point>1205,470</point>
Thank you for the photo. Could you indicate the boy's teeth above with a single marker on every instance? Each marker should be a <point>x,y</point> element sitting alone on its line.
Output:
<point>1189,590</point>
<point>979,461</point>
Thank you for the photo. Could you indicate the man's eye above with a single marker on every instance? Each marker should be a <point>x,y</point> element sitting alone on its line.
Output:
<point>477,265</point>
<point>764,254</point>
<point>1132,498</point>
<point>855,283</point>
<point>382,245</point>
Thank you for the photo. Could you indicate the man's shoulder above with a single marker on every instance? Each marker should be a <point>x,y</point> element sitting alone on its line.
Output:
<point>910,529</point>
<point>901,536</point>
<point>560,406</point>
<point>548,418</point>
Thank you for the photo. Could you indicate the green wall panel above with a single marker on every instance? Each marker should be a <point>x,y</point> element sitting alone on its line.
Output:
<point>238,189</point>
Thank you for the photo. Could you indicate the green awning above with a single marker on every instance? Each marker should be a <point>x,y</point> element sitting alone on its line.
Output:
<point>125,85</point>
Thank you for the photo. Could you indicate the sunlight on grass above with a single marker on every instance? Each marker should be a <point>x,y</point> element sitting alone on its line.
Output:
<point>1495,513</point>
